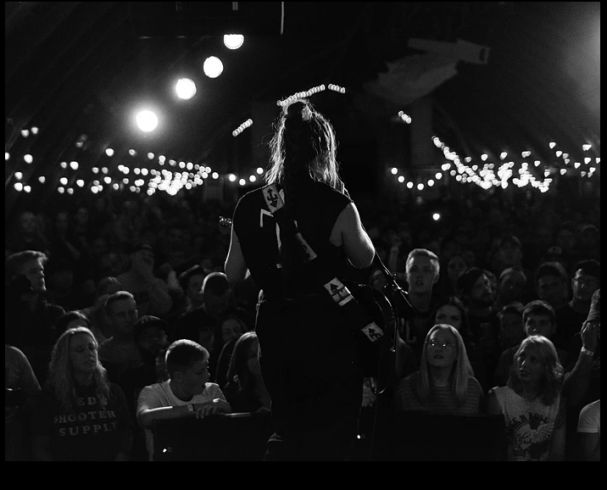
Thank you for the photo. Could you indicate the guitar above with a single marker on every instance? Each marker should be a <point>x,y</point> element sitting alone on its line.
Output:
<point>377,358</point>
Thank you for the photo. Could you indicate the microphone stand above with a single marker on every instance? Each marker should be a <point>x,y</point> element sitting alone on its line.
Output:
<point>402,299</point>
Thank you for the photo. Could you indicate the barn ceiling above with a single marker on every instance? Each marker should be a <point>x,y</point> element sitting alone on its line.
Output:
<point>81,68</point>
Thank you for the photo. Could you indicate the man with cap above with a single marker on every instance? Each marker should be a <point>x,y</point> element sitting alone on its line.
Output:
<point>475,291</point>
<point>570,317</point>
<point>151,293</point>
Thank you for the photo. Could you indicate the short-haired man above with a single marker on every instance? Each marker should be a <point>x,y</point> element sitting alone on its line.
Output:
<point>29,318</point>
<point>203,323</point>
<point>120,353</point>
<point>422,269</point>
<point>476,291</point>
<point>551,284</point>
<point>571,316</point>
<point>187,393</point>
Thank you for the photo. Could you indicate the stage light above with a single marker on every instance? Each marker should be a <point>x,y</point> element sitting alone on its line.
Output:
<point>28,158</point>
<point>18,175</point>
<point>185,88</point>
<point>109,152</point>
<point>213,67</point>
<point>147,121</point>
<point>233,41</point>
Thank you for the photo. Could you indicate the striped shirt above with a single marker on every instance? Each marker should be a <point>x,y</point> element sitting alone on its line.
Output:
<point>443,401</point>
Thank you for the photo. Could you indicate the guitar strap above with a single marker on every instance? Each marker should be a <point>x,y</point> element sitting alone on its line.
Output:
<point>337,291</point>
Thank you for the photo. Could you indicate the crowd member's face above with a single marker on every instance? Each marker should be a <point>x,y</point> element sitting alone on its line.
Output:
<point>449,314</point>
<point>34,271</point>
<point>253,359</point>
<point>83,353</point>
<point>123,315</point>
<point>99,247</point>
<point>231,329</point>
<point>61,222</point>
<point>29,223</point>
<point>206,338</point>
<point>511,328</point>
<point>441,349</point>
<point>469,257</point>
<point>584,286</point>
<point>565,239</point>
<point>510,254</point>
<point>421,275</point>
<point>551,289</point>
<point>81,216</point>
<point>217,305</point>
<point>143,260</point>
<point>456,267</point>
<point>482,291</point>
<point>528,365</point>
<point>153,340</point>
<point>539,324</point>
<point>193,380</point>
<point>194,287</point>
<point>512,285</point>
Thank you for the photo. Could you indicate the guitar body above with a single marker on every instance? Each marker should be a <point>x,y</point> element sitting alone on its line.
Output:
<point>377,357</point>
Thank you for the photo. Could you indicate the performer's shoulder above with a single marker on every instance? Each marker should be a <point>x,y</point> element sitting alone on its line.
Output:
<point>252,195</point>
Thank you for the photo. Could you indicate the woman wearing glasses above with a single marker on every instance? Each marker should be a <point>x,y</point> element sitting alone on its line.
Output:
<point>445,382</point>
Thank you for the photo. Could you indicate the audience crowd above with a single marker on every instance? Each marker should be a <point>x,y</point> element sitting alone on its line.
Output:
<point>118,314</point>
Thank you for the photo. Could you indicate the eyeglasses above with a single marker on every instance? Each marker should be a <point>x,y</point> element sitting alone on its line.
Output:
<point>444,344</point>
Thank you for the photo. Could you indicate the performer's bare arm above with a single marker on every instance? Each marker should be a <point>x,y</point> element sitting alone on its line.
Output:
<point>349,232</point>
<point>235,265</point>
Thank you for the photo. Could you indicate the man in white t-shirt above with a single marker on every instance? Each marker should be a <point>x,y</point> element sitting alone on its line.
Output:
<point>187,393</point>
<point>589,431</point>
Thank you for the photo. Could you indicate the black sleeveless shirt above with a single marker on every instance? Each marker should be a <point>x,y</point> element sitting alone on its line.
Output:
<point>318,207</point>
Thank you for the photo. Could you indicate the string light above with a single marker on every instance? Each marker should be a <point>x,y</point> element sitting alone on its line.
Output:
<point>242,127</point>
<point>310,92</point>
<point>464,170</point>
